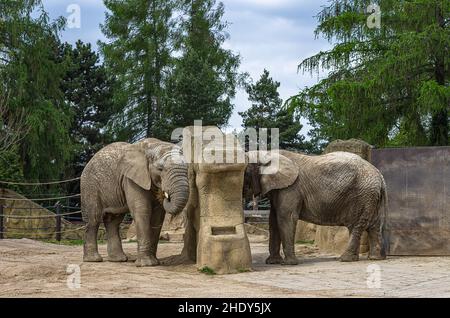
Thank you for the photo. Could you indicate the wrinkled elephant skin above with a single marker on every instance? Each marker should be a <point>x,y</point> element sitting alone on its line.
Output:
<point>335,189</point>
<point>147,179</point>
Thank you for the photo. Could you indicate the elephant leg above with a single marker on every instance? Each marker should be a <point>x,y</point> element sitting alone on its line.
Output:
<point>94,211</point>
<point>90,248</point>
<point>139,204</point>
<point>157,220</point>
<point>286,226</point>
<point>376,243</point>
<point>351,254</point>
<point>112,225</point>
<point>274,239</point>
<point>143,233</point>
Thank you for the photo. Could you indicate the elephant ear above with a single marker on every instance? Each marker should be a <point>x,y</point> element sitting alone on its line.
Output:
<point>277,171</point>
<point>135,167</point>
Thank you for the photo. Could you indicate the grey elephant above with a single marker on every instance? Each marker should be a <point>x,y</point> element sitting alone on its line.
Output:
<point>146,179</point>
<point>335,189</point>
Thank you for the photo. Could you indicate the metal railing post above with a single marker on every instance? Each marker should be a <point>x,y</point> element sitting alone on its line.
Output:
<point>1,222</point>
<point>58,222</point>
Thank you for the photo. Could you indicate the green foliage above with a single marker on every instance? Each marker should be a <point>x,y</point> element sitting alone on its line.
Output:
<point>138,55</point>
<point>10,167</point>
<point>207,270</point>
<point>70,242</point>
<point>206,75</point>
<point>158,90</point>
<point>31,75</point>
<point>388,86</point>
<point>267,112</point>
<point>88,91</point>
<point>305,242</point>
<point>243,270</point>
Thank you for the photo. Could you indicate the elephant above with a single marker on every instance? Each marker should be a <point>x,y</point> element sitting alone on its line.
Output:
<point>335,189</point>
<point>147,179</point>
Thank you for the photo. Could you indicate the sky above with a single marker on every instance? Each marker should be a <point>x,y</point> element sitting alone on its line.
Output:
<point>268,34</point>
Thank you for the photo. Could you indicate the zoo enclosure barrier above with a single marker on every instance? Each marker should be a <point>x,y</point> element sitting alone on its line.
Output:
<point>58,217</point>
<point>71,213</point>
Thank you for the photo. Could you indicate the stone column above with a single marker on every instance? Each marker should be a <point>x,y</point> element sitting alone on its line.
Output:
<point>222,245</point>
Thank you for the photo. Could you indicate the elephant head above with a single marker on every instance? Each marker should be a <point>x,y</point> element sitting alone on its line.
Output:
<point>267,171</point>
<point>159,166</point>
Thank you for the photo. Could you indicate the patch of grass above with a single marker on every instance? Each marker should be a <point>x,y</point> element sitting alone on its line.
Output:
<point>70,242</point>
<point>159,242</point>
<point>309,242</point>
<point>207,270</point>
<point>243,270</point>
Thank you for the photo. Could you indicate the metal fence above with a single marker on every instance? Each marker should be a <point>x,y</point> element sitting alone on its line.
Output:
<point>32,232</point>
<point>56,212</point>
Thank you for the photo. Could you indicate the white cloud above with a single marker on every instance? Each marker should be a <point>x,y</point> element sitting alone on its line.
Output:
<point>275,40</point>
<point>82,3</point>
<point>270,3</point>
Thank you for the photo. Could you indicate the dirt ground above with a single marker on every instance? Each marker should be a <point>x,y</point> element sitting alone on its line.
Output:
<point>34,269</point>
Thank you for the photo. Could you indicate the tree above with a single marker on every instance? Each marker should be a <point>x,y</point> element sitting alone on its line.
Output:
<point>206,75</point>
<point>12,130</point>
<point>388,86</point>
<point>138,55</point>
<point>31,75</point>
<point>88,91</point>
<point>13,126</point>
<point>267,111</point>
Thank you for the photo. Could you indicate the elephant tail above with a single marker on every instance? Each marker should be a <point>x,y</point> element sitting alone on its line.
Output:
<point>383,217</point>
<point>84,211</point>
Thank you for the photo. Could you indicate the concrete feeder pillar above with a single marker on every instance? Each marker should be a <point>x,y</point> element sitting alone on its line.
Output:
<point>222,241</point>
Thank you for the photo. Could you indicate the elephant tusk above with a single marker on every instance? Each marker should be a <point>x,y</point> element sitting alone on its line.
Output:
<point>166,195</point>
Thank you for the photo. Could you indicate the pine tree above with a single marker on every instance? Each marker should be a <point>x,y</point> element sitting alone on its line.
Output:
<point>31,74</point>
<point>206,75</point>
<point>12,130</point>
<point>138,55</point>
<point>267,111</point>
<point>88,91</point>
<point>388,86</point>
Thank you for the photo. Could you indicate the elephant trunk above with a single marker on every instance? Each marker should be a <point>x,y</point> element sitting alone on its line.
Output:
<point>177,189</point>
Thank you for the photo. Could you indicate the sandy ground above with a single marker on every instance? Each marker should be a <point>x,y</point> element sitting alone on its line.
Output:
<point>34,269</point>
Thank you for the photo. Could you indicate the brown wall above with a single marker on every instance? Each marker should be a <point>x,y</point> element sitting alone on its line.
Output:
<point>418,185</point>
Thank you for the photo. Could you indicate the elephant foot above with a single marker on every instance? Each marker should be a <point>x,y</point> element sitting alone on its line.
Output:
<point>348,257</point>
<point>177,260</point>
<point>119,257</point>
<point>289,261</point>
<point>376,257</point>
<point>95,257</point>
<point>147,261</point>
<point>274,260</point>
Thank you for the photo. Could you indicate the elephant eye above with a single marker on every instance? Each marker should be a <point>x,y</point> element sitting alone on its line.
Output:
<point>159,166</point>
